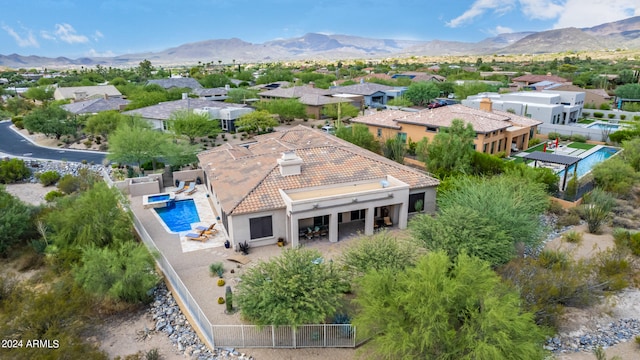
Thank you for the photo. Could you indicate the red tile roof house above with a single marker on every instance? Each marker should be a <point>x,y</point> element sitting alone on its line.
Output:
<point>294,184</point>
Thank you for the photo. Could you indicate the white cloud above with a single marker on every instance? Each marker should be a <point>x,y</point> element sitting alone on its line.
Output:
<point>541,9</point>
<point>501,30</point>
<point>26,41</point>
<point>479,8</point>
<point>67,33</point>
<point>47,35</point>
<point>588,13</point>
<point>94,53</point>
<point>98,35</point>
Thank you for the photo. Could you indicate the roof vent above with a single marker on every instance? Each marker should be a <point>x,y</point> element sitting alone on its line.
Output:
<point>290,163</point>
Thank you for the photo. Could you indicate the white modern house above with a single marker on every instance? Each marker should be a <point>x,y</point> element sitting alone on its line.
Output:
<point>302,184</point>
<point>548,106</point>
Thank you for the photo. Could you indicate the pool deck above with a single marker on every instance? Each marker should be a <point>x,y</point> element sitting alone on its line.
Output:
<point>191,259</point>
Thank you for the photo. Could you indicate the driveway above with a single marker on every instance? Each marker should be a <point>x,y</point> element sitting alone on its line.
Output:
<point>14,144</point>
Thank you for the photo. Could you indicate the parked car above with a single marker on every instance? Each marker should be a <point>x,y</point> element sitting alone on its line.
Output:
<point>434,105</point>
<point>328,129</point>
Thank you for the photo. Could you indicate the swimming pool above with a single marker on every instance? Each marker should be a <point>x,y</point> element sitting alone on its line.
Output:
<point>157,200</point>
<point>179,215</point>
<point>585,165</point>
<point>603,126</point>
<point>161,197</point>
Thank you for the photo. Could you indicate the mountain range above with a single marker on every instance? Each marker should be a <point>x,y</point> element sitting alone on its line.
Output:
<point>623,34</point>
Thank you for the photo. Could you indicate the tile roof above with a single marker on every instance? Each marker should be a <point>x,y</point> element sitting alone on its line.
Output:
<point>90,91</point>
<point>248,180</point>
<point>163,110</point>
<point>169,83</point>
<point>482,121</point>
<point>360,89</point>
<point>95,105</point>
<point>294,92</point>
<point>537,78</point>
<point>221,91</point>
<point>318,100</point>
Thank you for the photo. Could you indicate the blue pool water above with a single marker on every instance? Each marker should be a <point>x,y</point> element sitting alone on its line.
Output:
<point>156,198</point>
<point>179,215</point>
<point>601,126</point>
<point>585,165</point>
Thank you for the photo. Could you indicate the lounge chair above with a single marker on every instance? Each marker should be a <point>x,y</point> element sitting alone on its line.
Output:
<point>387,221</point>
<point>181,187</point>
<point>190,189</point>
<point>204,229</point>
<point>190,192</point>
<point>196,237</point>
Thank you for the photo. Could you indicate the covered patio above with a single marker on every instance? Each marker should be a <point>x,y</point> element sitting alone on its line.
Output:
<point>565,160</point>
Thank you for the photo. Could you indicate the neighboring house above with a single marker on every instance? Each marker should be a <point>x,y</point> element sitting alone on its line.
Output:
<point>216,94</point>
<point>313,98</point>
<point>94,106</point>
<point>271,86</point>
<point>296,182</point>
<point>372,93</point>
<point>78,93</point>
<point>525,80</point>
<point>159,115</point>
<point>594,97</point>
<point>176,82</point>
<point>548,106</point>
<point>416,76</point>
<point>496,131</point>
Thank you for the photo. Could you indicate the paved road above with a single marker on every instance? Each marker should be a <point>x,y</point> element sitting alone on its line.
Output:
<point>14,144</point>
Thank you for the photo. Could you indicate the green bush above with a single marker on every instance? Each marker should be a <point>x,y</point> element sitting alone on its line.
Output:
<point>579,138</point>
<point>613,269</point>
<point>149,165</point>
<point>49,178</point>
<point>636,117</point>
<point>572,236</point>
<point>553,135</point>
<point>568,219</point>
<point>69,184</point>
<point>611,116</point>
<point>605,106</point>
<point>564,137</point>
<point>52,195</point>
<point>598,114</point>
<point>586,114</point>
<point>623,116</point>
<point>19,124</point>
<point>534,142</point>
<point>13,170</point>
<point>216,269</point>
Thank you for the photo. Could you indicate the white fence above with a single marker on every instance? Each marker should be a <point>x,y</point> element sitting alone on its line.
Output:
<point>245,336</point>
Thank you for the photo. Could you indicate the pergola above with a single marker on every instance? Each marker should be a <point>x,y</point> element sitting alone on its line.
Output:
<point>565,160</point>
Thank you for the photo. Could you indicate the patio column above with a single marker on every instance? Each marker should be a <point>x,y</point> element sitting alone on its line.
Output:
<point>333,227</point>
<point>294,228</point>
<point>369,221</point>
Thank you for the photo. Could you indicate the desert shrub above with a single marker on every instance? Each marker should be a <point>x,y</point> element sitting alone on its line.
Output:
<point>604,106</point>
<point>611,116</point>
<point>564,137</point>
<point>535,141</point>
<point>88,143</point>
<point>572,188</point>
<point>19,124</point>
<point>615,176</point>
<point>553,135</point>
<point>221,282</point>
<point>555,208</point>
<point>52,195</point>
<point>568,219</point>
<point>598,114</point>
<point>625,239</point>
<point>69,184</point>
<point>613,269</point>
<point>377,252</point>
<point>579,138</point>
<point>149,165</point>
<point>49,178</point>
<point>216,269</point>
<point>586,114</point>
<point>486,164</point>
<point>13,170</point>
<point>572,236</point>
<point>596,209</point>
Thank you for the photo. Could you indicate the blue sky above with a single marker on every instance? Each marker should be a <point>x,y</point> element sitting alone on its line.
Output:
<point>75,28</point>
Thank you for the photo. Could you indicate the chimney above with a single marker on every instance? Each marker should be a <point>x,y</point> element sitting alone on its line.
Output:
<point>79,95</point>
<point>185,96</point>
<point>289,163</point>
<point>312,84</point>
<point>227,87</point>
<point>486,105</point>
<point>106,96</point>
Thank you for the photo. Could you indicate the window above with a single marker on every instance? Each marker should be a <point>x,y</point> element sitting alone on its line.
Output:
<point>261,227</point>
<point>402,137</point>
<point>379,132</point>
<point>484,149</point>
<point>432,129</point>
<point>357,215</point>
<point>413,199</point>
<point>500,145</point>
<point>493,145</point>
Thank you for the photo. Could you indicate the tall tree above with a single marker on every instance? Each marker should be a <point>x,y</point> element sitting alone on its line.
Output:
<point>444,309</point>
<point>422,92</point>
<point>135,143</point>
<point>104,122</point>
<point>298,287</point>
<point>40,93</point>
<point>193,125</point>
<point>286,109</point>
<point>144,69</point>
<point>628,91</point>
<point>451,150</point>
<point>257,121</point>
<point>214,80</point>
<point>340,111</point>
<point>51,120</point>
<point>358,134</point>
<point>240,96</point>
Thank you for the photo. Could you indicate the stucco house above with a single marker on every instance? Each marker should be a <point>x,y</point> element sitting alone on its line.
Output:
<point>371,92</point>
<point>78,93</point>
<point>302,183</point>
<point>496,131</point>
<point>314,99</point>
<point>159,115</point>
<point>176,82</point>
<point>94,106</point>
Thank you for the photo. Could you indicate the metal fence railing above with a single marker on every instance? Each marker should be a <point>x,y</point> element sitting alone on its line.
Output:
<point>244,336</point>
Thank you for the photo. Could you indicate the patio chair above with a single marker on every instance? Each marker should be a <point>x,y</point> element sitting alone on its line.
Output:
<point>190,192</point>
<point>197,237</point>
<point>387,221</point>
<point>206,229</point>
<point>190,188</point>
<point>181,187</point>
